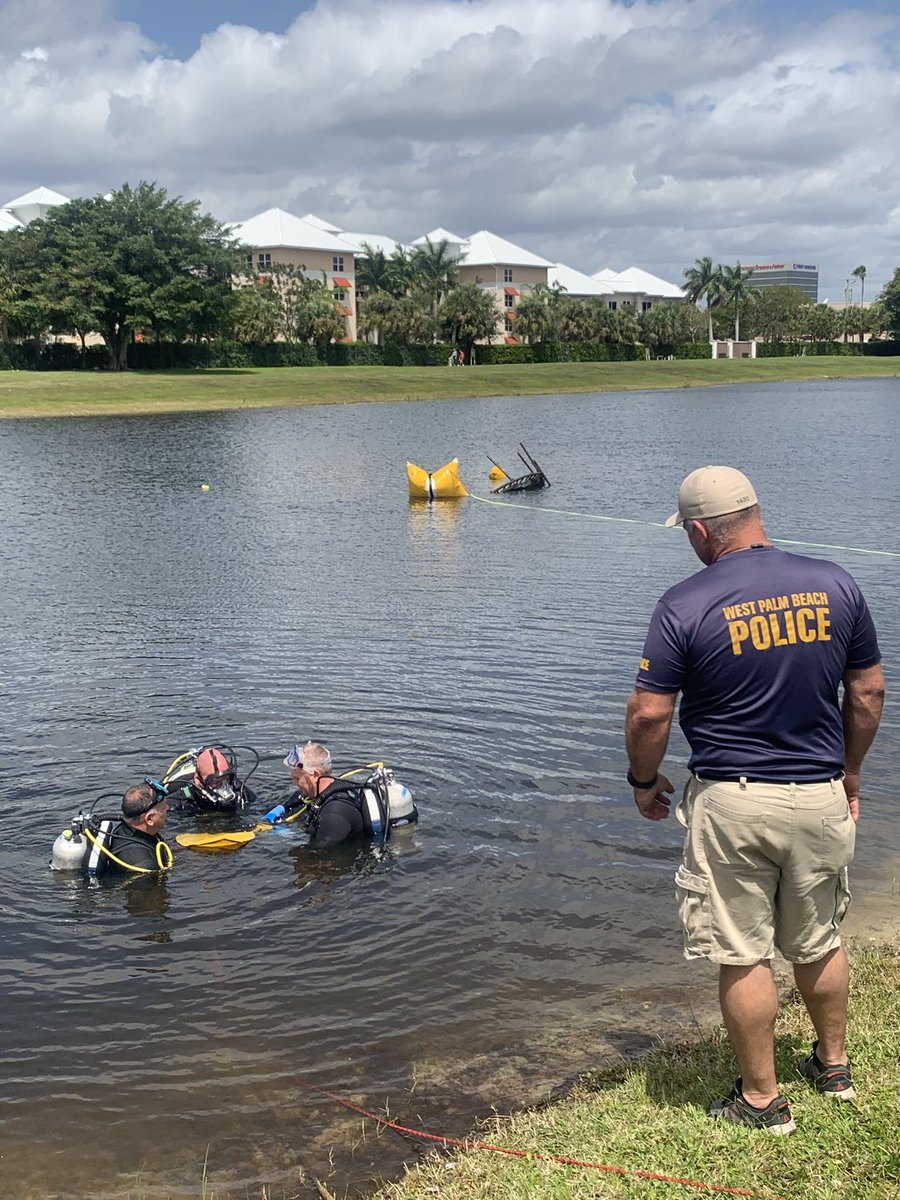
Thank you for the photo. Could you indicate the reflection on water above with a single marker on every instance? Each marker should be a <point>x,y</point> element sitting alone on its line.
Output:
<point>484,653</point>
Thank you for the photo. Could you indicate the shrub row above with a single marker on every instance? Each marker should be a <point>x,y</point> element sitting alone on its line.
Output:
<point>810,349</point>
<point>150,356</point>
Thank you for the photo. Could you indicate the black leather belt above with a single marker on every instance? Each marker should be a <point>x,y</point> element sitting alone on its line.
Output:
<point>706,777</point>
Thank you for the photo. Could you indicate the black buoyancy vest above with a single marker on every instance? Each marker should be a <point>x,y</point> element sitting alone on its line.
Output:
<point>369,802</point>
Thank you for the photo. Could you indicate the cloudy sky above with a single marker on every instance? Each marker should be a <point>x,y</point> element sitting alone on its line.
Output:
<point>594,132</point>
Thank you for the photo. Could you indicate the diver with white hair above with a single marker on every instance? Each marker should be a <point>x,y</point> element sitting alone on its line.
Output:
<point>336,810</point>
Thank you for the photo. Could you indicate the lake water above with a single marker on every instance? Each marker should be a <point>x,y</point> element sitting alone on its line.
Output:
<point>527,929</point>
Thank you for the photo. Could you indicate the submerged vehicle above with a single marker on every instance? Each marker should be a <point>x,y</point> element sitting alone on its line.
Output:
<point>531,481</point>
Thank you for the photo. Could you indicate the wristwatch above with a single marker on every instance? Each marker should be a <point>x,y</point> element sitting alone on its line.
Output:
<point>639,784</point>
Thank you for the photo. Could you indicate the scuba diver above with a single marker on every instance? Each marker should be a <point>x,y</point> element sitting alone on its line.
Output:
<point>206,779</point>
<point>101,845</point>
<point>337,809</point>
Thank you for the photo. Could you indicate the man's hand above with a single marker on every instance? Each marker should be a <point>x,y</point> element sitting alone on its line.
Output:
<point>851,787</point>
<point>653,803</point>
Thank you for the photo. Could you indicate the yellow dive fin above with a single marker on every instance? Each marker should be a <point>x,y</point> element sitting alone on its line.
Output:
<point>215,841</point>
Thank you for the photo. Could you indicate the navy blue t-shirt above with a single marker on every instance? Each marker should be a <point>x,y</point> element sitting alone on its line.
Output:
<point>757,643</point>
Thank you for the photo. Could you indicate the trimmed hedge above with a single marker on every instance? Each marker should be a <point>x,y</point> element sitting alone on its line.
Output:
<point>166,356</point>
<point>186,356</point>
<point>808,349</point>
<point>57,356</point>
<point>416,356</point>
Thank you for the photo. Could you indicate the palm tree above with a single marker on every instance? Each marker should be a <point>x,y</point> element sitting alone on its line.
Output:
<point>860,274</point>
<point>734,288</point>
<point>398,273</point>
<point>538,310</point>
<point>435,269</point>
<point>372,271</point>
<point>468,314</point>
<point>704,281</point>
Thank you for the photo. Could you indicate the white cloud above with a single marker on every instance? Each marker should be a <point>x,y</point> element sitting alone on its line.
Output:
<point>589,131</point>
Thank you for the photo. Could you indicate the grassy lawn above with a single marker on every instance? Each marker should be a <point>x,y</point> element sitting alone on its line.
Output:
<point>648,1116</point>
<point>71,393</point>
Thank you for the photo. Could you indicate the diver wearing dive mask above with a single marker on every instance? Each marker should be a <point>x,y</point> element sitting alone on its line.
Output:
<point>207,779</point>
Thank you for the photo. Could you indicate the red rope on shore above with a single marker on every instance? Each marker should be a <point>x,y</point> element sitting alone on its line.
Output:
<point>469,1144</point>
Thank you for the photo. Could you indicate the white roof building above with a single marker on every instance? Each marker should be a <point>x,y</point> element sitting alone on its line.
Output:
<point>34,204</point>
<point>639,283</point>
<point>577,283</point>
<point>9,221</point>
<point>275,227</point>
<point>378,241</point>
<point>320,224</point>
<point>440,235</point>
<point>486,249</point>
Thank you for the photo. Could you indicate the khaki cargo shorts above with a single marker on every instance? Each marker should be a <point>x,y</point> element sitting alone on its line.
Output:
<point>764,866</point>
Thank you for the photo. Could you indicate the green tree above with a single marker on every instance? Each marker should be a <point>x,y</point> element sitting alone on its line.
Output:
<point>703,281</point>
<point>402,321</point>
<point>9,285</point>
<point>468,314</point>
<point>286,305</point>
<point>398,278</point>
<point>375,314</point>
<point>306,308</point>
<point>435,271</point>
<point>255,313</point>
<point>661,326</point>
<point>735,290</point>
<point>372,272</point>
<point>777,313</point>
<point>889,299</point>
<point>860,274</point>
<point>820,323</point>
<point>577,321</point>
<point>136,260</point>
<point>877,319</point>
<point>537,313</point>
<point>410,323</point>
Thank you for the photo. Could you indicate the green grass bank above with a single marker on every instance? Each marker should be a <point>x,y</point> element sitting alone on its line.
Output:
<point>649,1116</point>
<point>75,393</point>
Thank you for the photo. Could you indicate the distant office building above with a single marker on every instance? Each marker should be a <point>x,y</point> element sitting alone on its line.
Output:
<point>804,276</point>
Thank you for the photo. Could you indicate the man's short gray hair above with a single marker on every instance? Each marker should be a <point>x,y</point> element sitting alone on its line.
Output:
<point>315,757</point>
<point>723,529</point>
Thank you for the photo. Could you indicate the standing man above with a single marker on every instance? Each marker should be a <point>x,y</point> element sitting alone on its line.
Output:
<point>759,644</point>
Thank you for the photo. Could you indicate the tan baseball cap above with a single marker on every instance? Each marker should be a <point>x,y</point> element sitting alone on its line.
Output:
<point>712,492</point>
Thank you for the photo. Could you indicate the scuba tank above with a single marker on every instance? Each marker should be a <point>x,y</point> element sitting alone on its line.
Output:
<point>68,851</point>
<point>401,810</point>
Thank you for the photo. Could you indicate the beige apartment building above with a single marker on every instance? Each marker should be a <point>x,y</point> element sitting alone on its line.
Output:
<point>506,270</point>
<point>276,236</point>
<point>325,251</point>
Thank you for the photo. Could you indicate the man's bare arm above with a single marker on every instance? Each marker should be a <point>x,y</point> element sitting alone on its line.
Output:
<point>860,713</point>
<point>648,722</point>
